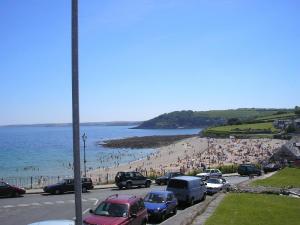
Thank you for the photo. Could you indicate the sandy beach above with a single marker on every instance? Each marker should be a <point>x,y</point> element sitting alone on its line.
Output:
<point>195,153</point>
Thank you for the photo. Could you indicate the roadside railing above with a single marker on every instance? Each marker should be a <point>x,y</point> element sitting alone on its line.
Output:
<point>33,181</point>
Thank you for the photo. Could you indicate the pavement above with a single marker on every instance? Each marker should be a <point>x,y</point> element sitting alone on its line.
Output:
<point>200,220</point>
<point>96,187</point>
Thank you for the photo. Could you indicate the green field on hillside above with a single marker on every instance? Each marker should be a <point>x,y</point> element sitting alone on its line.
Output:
<point>256,209</point>
<point>270,118</point>
<point>253,128</point>
<point>288,177</point>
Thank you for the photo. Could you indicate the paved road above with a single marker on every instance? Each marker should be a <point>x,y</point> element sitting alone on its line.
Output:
<point>36,207</point>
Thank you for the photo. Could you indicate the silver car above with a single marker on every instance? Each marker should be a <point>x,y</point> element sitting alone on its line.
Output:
<point>210,173</point>
<point>214,185</point>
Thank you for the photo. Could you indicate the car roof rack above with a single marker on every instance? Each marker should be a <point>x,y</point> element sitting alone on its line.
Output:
<point>117,195</point>
<point>112,196</point>
<point>132,197</point>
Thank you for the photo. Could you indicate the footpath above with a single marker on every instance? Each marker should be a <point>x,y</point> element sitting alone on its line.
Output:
<point>102,186</point>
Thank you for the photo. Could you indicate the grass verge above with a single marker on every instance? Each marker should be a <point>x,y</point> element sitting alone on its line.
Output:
<point>288,177</point>
<point>256,209</point>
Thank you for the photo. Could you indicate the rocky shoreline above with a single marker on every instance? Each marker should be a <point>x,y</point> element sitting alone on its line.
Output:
<point>155,141</point>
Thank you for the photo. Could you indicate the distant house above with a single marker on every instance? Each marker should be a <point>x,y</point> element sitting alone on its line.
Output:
<point>297,124</point>
<point>282,124</point>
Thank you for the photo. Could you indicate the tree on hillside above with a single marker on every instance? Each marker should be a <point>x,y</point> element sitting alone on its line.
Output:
<point>297,110</point>
<point>290,129</point>
<point>234,121</point>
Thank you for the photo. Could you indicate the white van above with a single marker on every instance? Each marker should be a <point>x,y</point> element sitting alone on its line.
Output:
<point>187,189</point>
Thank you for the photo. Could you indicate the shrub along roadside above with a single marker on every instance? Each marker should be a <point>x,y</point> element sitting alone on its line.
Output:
<point>224,169</point>
<point>228,168</point>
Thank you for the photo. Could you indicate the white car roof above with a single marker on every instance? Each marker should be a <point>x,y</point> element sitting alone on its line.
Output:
<point>54,222</point>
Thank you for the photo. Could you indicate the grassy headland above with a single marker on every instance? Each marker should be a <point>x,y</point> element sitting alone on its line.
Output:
<point>250,209</point>
<point>259,127</point>
<point>198,119</point>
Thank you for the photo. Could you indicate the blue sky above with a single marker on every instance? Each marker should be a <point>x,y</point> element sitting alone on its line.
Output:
<point>141,58</point>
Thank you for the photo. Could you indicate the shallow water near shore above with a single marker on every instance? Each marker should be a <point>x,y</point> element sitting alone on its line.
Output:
<point>47,151</point>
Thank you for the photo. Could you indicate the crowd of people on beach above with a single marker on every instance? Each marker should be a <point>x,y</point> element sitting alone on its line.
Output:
<point>216,153</point>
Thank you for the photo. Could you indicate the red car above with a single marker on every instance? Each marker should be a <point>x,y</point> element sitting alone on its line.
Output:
<point>118,210</point>
<point>10,190</point>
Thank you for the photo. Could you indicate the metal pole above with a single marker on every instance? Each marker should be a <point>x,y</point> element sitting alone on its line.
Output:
<point>84,137</point>
<point>208,153</point>
<point>75,112</point>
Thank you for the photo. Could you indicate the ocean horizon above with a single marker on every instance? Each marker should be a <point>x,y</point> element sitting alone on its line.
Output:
<point>47,150</point>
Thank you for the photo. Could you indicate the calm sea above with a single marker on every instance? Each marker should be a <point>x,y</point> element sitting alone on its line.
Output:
<point>47,151</point>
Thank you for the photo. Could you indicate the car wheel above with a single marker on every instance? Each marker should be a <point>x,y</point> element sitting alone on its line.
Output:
<point>147,184</point>
<point>162,217</point>
<point>14,194</point>
<point>128,185</point>
<point>120,187</point>
<point>84,190</point>
<point>175,211</point>
<point>192,201</point>
<point>204,197</point>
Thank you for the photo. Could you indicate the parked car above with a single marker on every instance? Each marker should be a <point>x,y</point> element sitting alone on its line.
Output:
<point>210,173</point>
<point>165,178</point>
<point>271,167</point>
<point>117,210</point>
<point>248,169</point>
<point>159,204</point>
<point>130,179</point>
<point>214,185</point>
<point>7,190</point>
<point>67,185</point>
<point>54,222</point>
<point>187,189</point>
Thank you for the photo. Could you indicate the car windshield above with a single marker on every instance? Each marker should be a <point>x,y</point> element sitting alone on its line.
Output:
<point>207,171</point>
<point>214,181</point>
<point>155,198</point>
<point>61,181</point>
<point>112,210</point>
<point>181,184</point>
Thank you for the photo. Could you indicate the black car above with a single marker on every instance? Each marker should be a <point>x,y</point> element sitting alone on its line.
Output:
<point>130,179</point>
<point>67,185</point>
<point>271,167</point>
<point>165,179</point>
<point>7,190</point>
<point>248,169</point>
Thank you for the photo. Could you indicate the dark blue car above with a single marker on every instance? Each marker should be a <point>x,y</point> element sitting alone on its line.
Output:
<point>159,204</point>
